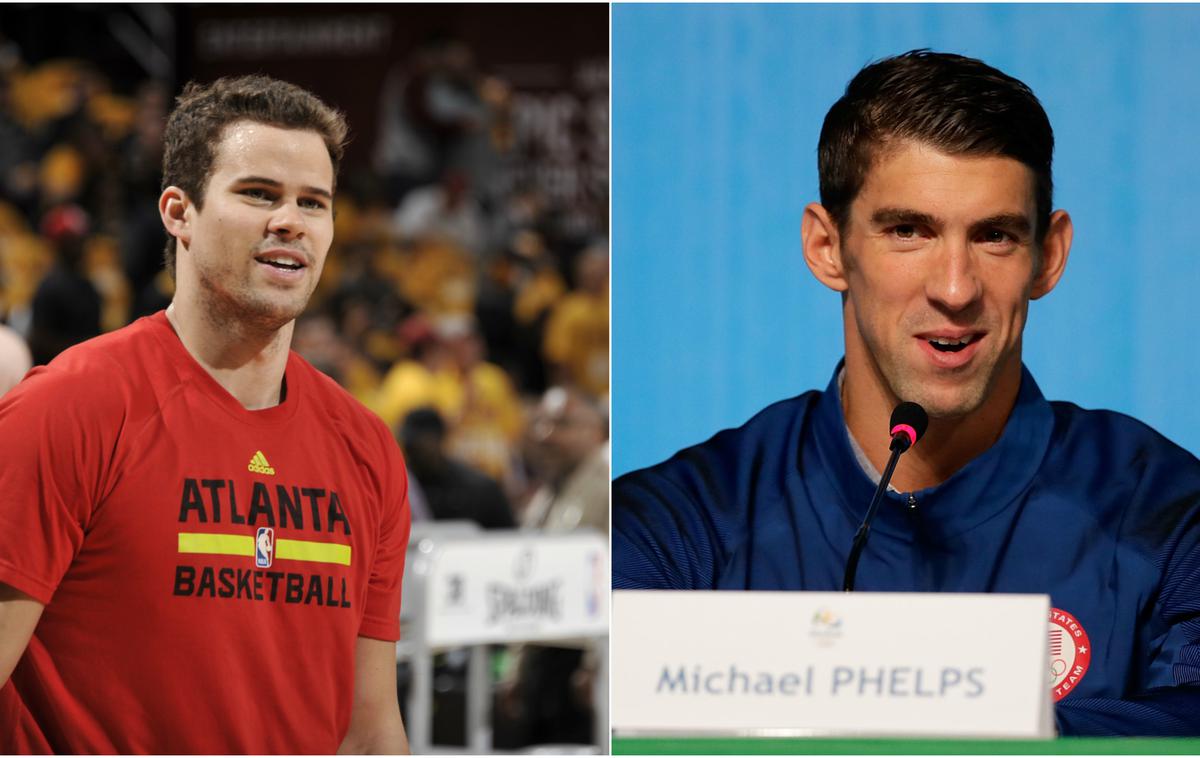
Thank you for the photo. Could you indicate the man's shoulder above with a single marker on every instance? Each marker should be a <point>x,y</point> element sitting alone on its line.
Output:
<point>1132,478</point>
<point>86,400</point>
<point>97,373</point>
<point>729,454</point>
<point>677,524</point>
<point>335,405</point>
<point>1116,437</point>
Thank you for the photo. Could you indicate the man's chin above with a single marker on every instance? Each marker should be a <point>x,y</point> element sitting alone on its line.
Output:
<point>264,310</point>
<point>271,315</point>
<point>951,404</point>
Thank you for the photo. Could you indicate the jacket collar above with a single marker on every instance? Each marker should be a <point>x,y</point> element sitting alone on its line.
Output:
<point>984,487</point>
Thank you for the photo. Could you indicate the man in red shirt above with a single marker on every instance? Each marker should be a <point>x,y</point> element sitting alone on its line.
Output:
<point>201,537</point>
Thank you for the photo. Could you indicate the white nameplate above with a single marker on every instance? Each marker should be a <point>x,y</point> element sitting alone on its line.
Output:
<point>519,587</point>
<point>827,663</point>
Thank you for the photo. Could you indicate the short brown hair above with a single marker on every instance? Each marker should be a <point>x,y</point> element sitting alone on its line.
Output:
<point>197,126</point>
<point>959,105</point>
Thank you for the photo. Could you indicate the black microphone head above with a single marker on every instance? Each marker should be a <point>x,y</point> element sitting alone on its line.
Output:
<point>910,420</point>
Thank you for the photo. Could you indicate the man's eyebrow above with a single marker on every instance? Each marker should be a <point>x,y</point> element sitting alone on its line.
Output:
<point>892,216</point>
<point>277,184</point>
<point>1013,222</point>
<point>1017,223</point>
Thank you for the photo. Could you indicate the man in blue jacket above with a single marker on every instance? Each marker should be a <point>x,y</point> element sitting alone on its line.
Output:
<point>936,226</point>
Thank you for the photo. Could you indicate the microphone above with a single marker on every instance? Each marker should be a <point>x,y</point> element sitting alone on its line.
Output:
<point>908,424</point>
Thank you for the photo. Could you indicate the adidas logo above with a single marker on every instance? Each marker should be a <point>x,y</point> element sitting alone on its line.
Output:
<point>259,465</point>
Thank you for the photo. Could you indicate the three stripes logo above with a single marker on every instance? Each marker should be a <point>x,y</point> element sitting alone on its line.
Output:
<point>259,465</point>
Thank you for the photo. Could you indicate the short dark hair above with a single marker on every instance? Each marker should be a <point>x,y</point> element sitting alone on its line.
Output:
<point>197,126</point>
<point>958,105</point>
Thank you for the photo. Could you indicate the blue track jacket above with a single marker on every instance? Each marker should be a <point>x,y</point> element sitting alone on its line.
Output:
<point>1093,508</point>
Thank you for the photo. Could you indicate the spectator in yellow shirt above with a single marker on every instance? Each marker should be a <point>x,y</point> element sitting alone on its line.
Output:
<point>576,341</point>
<point>477,399</point>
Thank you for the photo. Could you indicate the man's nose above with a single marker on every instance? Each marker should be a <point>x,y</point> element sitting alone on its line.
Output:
<point>287,222</point>
<point>954,281</point>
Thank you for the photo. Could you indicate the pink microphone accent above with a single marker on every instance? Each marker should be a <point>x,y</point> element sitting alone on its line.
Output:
<point>912,433</point>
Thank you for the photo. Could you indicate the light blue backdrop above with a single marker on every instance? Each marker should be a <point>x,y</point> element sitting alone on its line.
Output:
<point>716,113</point>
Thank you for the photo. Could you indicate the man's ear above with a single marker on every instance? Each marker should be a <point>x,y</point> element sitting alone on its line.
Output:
<point>1056,248</point>
<point>822,247</point>
<point>174,208</point>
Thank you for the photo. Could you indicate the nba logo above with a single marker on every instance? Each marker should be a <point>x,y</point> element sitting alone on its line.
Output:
<point>264,547</point>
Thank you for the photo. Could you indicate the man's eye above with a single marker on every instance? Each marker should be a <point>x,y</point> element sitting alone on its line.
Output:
<point>905,231</point>
<point>256,194</point>
<point>311,203</point>
<point>996,236</point>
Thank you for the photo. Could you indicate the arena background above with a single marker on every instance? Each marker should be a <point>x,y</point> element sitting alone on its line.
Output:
<point>465,299</point>
<point>717,110</point>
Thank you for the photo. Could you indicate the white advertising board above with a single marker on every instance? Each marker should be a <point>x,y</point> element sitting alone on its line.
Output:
<point>825,663</point>
<point>515,587</point>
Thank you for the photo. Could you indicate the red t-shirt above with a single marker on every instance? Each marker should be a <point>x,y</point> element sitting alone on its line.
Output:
<point>205,569</point>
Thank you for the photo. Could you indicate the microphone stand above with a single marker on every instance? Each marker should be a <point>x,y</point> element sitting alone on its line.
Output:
<point>900,443</point>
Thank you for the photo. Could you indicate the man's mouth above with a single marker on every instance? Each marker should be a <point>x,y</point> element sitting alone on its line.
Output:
<point>281,262</point>
<point>951,345</point>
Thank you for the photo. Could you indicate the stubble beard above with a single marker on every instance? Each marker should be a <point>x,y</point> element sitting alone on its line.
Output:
<point>242,308</point>
<point>966,396</point>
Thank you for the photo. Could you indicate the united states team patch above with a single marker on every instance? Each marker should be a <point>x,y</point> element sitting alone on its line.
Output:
<point>1070,653</point>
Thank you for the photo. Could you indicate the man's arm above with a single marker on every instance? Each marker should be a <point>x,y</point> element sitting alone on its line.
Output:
<point>1160,712</point>
<point>679,524</point>
<point>662,534</point>
<point>375,723</point>
<point>1166,519</point>
<point>19,614</point>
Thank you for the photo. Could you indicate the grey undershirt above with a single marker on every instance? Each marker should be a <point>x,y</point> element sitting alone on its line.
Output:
<point>863,461</point>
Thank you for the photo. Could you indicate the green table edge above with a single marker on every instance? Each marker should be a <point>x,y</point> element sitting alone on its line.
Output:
<point>828,746</point>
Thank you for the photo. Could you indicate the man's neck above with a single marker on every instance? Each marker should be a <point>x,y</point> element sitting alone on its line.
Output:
<point>948,443</point>
<point>248,362</point>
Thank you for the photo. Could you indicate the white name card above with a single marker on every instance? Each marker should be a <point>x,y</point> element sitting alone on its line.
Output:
<point>827,663</point>
<point>515,587</point>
